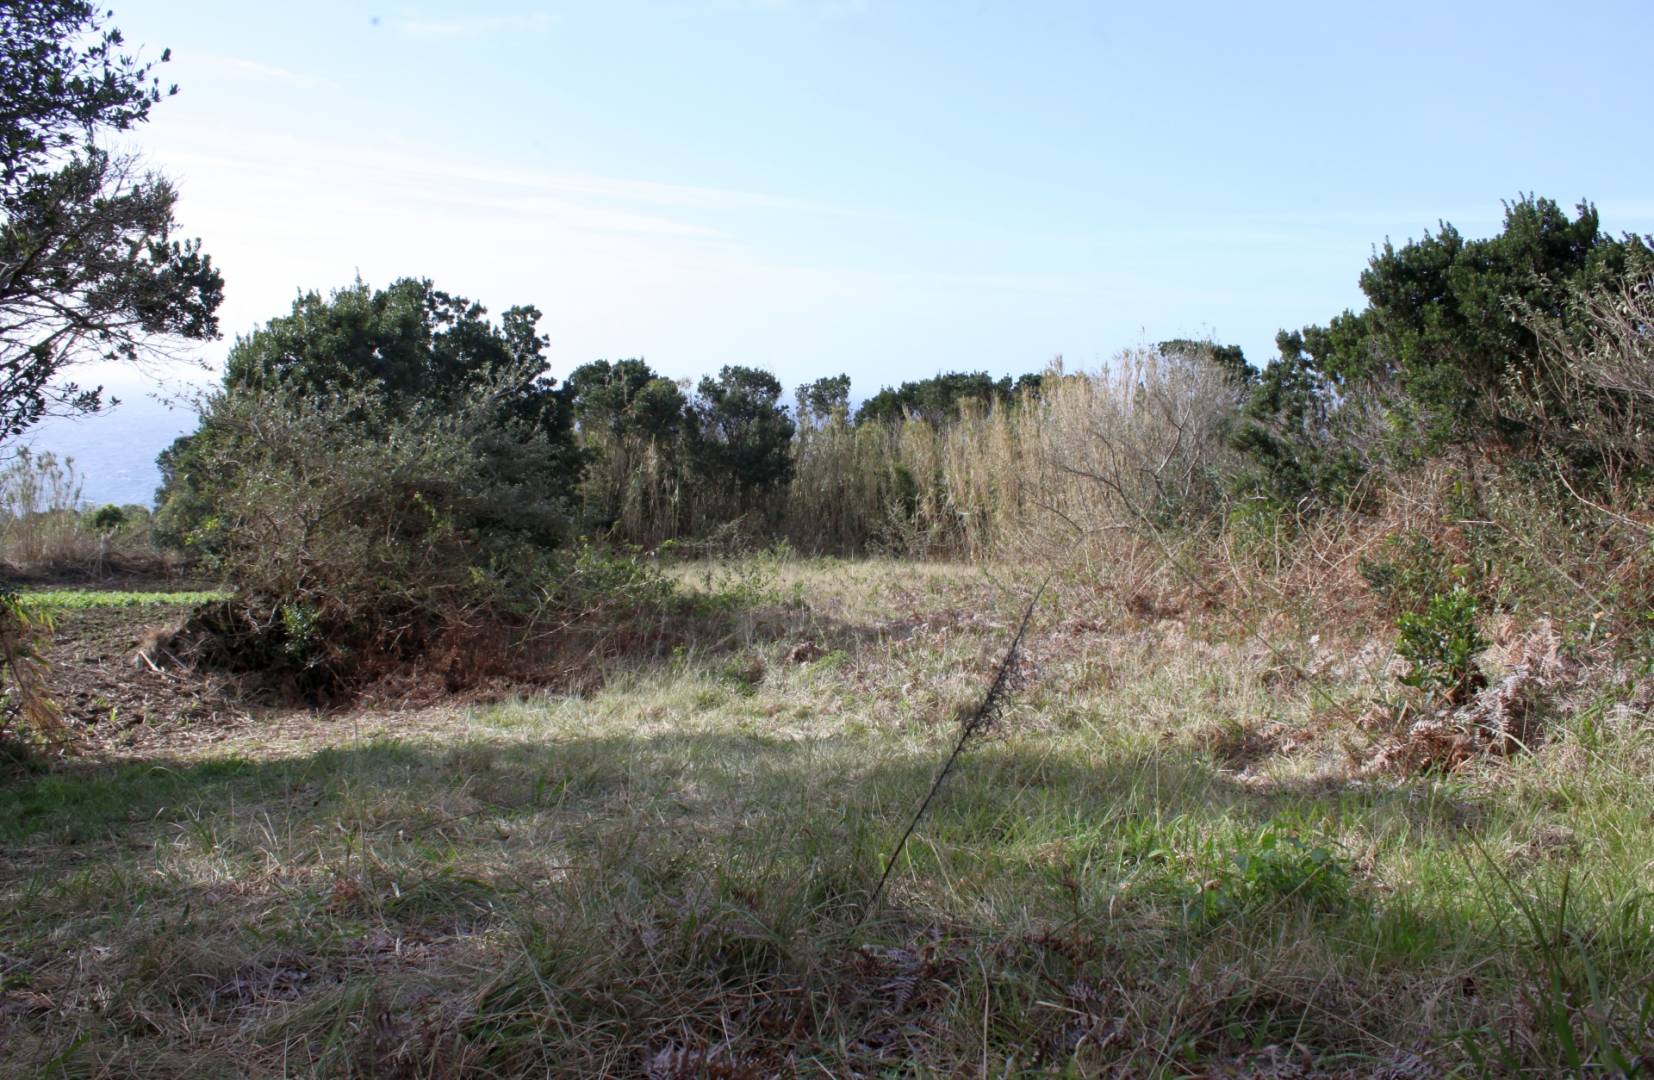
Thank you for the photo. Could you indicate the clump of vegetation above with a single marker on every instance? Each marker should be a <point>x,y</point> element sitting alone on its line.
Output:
<point>46,532</point>
<point>382,474</point>
<point>27,708</point>
<point>1440,645</point>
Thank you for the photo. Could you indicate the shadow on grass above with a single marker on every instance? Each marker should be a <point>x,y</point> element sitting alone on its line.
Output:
<point>999,788</point>
<point>606,896</point>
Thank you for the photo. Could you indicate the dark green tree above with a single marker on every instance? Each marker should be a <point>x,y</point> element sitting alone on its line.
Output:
<point>626,398</point>
<point>1292,429</point>
<point>740,433</point>
<point>407,348</point>
<point>88,266</point>
<point>936,400</point>
<point>631,422</point>
<point>1443,336</point>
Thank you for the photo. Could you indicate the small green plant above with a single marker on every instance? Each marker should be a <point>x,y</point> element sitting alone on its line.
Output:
<point>1273,867</point>
<point>1440,646</point>
<point>298,631</point>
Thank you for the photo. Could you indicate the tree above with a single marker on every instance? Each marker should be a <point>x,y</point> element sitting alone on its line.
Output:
<point>936,400</point>
<point>631,423</point>
<point>1295,428</point>
<point>1443,336</point>
<point>820,399</point>
<point>741,436</point>
<point>626,398</point>
<point>410,344</point>
<point>88,266</point>
<point>406,350</point>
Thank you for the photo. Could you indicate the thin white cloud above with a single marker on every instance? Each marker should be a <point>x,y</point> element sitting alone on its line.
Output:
<point>254,70</point>
<point>473,26</point>
<point>262,151</point>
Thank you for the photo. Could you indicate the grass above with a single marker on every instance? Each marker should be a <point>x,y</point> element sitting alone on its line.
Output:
<point>84,599</point>
<point>1136,876</point>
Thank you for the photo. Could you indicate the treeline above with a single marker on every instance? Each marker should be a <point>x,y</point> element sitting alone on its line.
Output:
<point>621,450</point>
<point>395,458</point>
<point>1448,352</point>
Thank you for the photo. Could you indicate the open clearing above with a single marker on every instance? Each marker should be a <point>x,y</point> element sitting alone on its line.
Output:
<point>1172,857</point>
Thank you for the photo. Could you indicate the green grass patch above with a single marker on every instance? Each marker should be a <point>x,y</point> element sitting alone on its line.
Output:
<point>89,599</point>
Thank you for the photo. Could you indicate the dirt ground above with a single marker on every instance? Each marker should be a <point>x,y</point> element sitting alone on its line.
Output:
<point>115,699</point>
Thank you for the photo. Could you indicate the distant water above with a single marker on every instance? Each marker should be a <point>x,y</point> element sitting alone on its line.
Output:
<point>114,452</point>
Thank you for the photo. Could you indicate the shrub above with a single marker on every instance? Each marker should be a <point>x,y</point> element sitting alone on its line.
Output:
<point>25,703</point>
<point>398,356</point>
<point>354,531</point>
<point>1590,398</point>
<point>1440,645</point>
<point>1408,572</point>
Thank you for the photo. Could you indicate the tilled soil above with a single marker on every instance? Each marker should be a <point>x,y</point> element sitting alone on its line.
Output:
<point>113,697</point>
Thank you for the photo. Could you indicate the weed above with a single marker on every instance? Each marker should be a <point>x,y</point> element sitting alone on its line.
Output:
<point>1271,868</point>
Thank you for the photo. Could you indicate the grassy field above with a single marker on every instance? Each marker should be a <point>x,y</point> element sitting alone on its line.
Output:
<point>1173,856</point>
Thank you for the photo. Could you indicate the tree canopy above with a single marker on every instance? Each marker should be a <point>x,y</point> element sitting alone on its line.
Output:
<point>936,399</point>
<point>88,266</point>
<point>820,399</point>
<point>408,344</point>
<point>406,352</point>
<point>741,435</point>
<point>626,398</point>
<point>1444,333</point>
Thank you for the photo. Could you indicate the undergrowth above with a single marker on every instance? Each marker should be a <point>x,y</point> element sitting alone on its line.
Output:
<point>664,875</point>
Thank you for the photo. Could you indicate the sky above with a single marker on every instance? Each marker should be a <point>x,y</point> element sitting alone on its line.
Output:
<point>882,188</point>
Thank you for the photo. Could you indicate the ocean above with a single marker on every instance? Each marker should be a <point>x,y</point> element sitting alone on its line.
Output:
<point>114,452</point>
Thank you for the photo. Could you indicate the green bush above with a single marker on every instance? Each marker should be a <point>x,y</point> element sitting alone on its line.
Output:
<point>1440,646</point>
<point>1272,868</point>
<point>1408,572</point>
<point>353,531</point>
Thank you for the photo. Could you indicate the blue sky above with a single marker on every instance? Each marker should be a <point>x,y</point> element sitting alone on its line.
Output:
<point>882,188</point>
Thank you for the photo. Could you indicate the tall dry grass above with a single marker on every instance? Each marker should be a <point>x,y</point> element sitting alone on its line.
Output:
<point>48,530</point>
<point>1094,453</point>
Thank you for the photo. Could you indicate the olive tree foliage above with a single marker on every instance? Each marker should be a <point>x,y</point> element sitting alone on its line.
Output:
<point>89,268</point>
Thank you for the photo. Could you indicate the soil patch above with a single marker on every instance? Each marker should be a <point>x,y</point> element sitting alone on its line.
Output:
<point>112,697</point>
